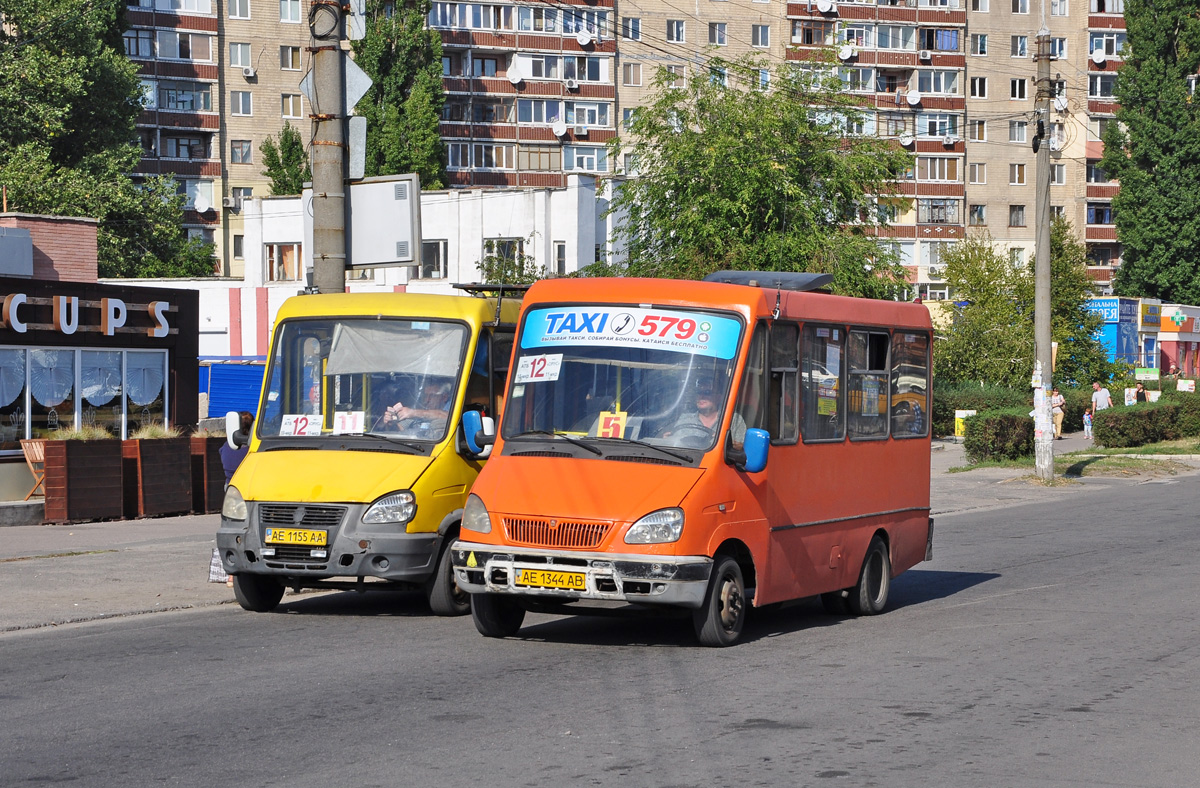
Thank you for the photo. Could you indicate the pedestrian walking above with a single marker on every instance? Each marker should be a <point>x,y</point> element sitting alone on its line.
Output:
<point>1101,399</point>
<point>1058,404</point>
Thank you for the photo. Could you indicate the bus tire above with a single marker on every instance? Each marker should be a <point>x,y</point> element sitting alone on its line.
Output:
<point>720,620</point>
<point>445,597</point>
<point>496,615</point>
<point>870,594</point>
<point>257,593</point>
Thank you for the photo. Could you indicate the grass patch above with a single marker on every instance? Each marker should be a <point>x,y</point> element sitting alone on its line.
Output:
<point>1023,462</point>
<point>1116,466</point>
<point>1181,446</point>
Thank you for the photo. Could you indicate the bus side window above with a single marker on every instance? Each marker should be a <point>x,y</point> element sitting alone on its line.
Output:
<point>502,348</point>
<point>784,402</point>
<point>821,401</point>
<point>910,385</point>
<point>867,384</point>
<point>752,398</point>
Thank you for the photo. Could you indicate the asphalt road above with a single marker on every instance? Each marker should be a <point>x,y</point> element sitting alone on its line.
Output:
<point>1046,645</point>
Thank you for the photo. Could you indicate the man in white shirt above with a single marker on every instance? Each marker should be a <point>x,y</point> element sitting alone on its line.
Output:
<point>1101,399</point>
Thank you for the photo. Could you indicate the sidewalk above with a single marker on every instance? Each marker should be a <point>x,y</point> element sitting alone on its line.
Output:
<point>57,574</point>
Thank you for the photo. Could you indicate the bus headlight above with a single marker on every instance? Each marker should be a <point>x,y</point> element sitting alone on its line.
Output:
<point>475,516</point>
<point>665,525</point>
<point>396,508</point>
<point>234,507</point>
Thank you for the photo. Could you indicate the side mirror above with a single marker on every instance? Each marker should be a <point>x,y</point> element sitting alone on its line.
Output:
<point>756,447</point>
<point>233,430</point>
<point>479,432</point>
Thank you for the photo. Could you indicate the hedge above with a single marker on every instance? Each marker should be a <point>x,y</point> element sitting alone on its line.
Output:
<point>1149,422</point>
<point>947,399</point>
<point>999,435</point>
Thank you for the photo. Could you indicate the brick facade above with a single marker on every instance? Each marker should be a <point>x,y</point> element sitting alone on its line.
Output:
<point>64,247</point>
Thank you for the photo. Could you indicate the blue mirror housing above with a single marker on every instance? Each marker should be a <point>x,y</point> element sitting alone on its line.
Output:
<point>472,422</point>
<point>756,445</point>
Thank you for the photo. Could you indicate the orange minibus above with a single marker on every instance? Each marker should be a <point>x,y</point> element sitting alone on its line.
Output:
<point>706,446</point>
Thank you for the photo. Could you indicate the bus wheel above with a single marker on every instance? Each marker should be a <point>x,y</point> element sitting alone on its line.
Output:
<point>495,615</point>
<point>874,581</point>
<point>257,593</point>
<point>719,622</point>
<point>445,597</point>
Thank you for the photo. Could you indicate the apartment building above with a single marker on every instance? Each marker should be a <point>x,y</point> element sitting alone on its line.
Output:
<point>218,77</point>
<point>1105,40</point>
<point>530,90</point>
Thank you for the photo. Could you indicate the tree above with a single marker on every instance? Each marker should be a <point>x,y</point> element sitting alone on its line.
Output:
<point>69,100</point>
<point>991,338</point>
<point>285,161</point>
<point>403,57</point>
<point>505,262</point>
<point>733,176</point>
<point>1154,151</point>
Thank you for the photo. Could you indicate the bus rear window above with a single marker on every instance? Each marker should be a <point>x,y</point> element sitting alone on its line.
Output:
<point>910,385</point>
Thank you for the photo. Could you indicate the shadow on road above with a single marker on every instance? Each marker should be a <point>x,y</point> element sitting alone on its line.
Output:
<point>405,604</point>
<point>925,585</point>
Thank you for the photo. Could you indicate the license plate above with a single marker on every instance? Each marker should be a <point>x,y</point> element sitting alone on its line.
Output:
<point>574,581</point>
<point>296,536</point>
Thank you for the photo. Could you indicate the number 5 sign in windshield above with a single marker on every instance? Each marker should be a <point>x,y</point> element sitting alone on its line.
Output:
<point>698,333</point>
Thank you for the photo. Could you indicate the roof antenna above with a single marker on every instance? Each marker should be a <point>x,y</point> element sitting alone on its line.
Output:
<point>775,314</point>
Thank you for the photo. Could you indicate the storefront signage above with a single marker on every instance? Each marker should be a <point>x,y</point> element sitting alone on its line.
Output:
<point>1150,316</point>
<point>1174,321</point>
<point>66,310</point>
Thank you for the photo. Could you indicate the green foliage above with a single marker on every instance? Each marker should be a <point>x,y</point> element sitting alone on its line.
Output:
<point>991,338</point>
<point>972,396</point>
<point>737,177</point>
<point>88,432</point>
<point>285,161</point>
<point>999,435</point>
<point>1149,422</point>
<point>1156,156</point>
<point>403,107</point>
<point>69,99</point>
<point>507,263</point>
<point>154,430</point>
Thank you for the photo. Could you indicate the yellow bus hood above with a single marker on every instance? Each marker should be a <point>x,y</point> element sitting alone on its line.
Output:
<point>326,476</point>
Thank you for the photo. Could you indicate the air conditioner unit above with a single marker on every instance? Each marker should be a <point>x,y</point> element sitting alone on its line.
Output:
<point>581,131</point>
<point>249,73</point>
<point>949,140</point>
<point>925,54</point>
<point>571,84</point>
<point>229,202</point>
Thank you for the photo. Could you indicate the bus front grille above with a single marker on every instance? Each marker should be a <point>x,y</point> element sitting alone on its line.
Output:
<point>555,533</point>
<point>300,516</point>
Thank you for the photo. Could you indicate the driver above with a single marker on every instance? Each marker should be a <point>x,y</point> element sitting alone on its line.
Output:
<point>701,422</point>
<point>435,410</point>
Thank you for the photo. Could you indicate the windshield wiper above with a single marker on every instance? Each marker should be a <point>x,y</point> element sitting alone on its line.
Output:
<point>570,438</point>
<point>413,448</point>
<point>664,450</point>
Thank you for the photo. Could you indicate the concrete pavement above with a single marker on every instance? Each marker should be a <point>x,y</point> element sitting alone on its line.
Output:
<point>58,574</point>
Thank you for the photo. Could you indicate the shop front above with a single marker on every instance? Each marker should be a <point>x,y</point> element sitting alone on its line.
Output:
<point>76,354</point>
<point>1179,338</point>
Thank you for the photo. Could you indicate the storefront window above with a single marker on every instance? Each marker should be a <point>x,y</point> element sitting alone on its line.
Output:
<point>52,386</point>
<point>145,374</point>
<point>100,385</point>
<point>12,398</point>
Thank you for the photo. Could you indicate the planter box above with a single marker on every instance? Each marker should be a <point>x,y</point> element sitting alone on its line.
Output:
<point>208,475</point>
<point>83,481</point>
<point>158,476</point>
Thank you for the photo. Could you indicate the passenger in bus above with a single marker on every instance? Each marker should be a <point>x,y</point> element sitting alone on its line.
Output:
<point>431,410</point>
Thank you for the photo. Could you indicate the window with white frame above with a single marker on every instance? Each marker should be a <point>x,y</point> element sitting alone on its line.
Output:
<point>1058,212</point>
<point>977,131</point>
<point>241,152</point>
<point>585,158</point>
<point>1020,6</point>
<point>937,168</point>
<point>289,58</point>
<point>677,76</point>
<point>1017,130</point>
<point>631,74</point>
<point>855,34</point>
<point>1102,85</point>
<point>185,96</point>
<point>675,31</point>
<point>584,113</point>
<point>240,103</point>
<point>857,79</point>
<point>577,20</point>
<point>760,35</point>
<point>1058,175</point>
<point>493,156</point>
<point>939,39</point>
<point>937,124</point>
<point>719,75</point>
<point>537,20</point>
<point>433,260</point>
<point>939,82</point>
<point>896,37</point>
<point>175,45</point>
<point>239,56</point>
<point>1058,7</point>
<point>937,211</point>
<point>631,28</point>
<point>716,34</point>
<point>1095,174</point>
<point>1016,254</point>
<point>1019,46</point>
<point>1108,6</point>
<point>284,262</point>
<point>1016,216</point>
<point>289,10</point>
<point>584,69</point>
<point>239,247</point>
<point>538,111</point>
<point>543,66</point>
<point>292,105</point>
<point>1058,48</point>
<point>764,77</point>
<point>239,9</point>
<point>978,87</point>
<point>1016,174</point>
<point>1016,89</point>
<point>458,155</point>
<point>979,44</point>
<point>978,172</point>
<point>1110,42</point>
<point>979,5</point>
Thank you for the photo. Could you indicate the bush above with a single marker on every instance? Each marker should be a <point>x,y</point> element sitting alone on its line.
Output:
<point>1136,425</point>
<point>947,399</point>
<point>999,435</point>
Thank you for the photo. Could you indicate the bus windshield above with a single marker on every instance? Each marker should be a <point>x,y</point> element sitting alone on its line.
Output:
<point>395,378</point>
<point>653,375</point>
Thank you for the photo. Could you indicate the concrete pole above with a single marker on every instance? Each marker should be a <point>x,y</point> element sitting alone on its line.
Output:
<point>328,151</point>
<point>1043,420</point>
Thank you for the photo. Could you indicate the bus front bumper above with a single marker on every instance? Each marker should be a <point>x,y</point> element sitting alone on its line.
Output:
<point>559,575</point>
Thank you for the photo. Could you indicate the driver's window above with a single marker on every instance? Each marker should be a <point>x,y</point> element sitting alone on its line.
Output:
<point>752,396</point>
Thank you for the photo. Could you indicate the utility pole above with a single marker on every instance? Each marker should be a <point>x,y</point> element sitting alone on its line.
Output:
<point>1043,370</point>
<point>326,26</point>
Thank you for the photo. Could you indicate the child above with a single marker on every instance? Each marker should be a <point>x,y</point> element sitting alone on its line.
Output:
<point>1087,423</point>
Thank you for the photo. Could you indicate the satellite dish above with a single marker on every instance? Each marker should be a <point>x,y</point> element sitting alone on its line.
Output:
<point>201,204</point>
<point>559,128</point>
<point>514,75</point>
<point>1060,103</point>
<point>914,98</point>
<point>824,6</point>
<point>845,52</point>
<point>907,139</point>
<point>583,37</point>
<point>1098,57</point>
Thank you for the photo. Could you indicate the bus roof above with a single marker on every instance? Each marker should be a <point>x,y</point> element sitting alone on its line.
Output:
<point>454,307</point>
<point>751,301</point>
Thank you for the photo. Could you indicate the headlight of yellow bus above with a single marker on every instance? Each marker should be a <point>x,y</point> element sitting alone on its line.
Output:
<point>665,525</point>
<point>234,507</point>
<point>397,508</point>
